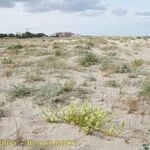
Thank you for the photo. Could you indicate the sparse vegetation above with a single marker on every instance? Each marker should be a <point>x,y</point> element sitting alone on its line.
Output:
<point>137,62</point>
<point>112,83</point>
<point>145,91</point>
<point>86,116</point>
<point>21,91</point>
<point>6,60</point>
<point>34,77</point>
<point>147,145</point>
<point>15,47</point>
<point>89,59</point>
<point>8,73</point>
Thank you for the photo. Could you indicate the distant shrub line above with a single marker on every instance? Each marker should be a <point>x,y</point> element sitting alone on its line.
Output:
<point>23,35</point>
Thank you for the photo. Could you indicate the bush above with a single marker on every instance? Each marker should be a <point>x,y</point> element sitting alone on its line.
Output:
<point>124,68</point>
<point>137,62</point>
<point>20,91</point>
<point>145,91</point>
<point>89,59</point>
<point>6,60</point>
<point>112,83</point>
<point>58,52</point>
<point>68,86</point>
<point>8,72</point>
<point>86,116</point>
<point>15,47</point>
<point>34,77</point>
<point>147,146</point>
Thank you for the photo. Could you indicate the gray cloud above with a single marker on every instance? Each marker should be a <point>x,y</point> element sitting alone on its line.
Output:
<point>144,13</point>
<point>53,5</point>
<point>119,12</point>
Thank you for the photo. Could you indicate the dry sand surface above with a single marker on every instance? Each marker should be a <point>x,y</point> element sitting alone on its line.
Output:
<point>119,83</point>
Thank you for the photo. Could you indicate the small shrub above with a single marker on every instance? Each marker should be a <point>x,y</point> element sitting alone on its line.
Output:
<point>147,145</point>
<point>20,91</point>
<point>86,116</point>
<point>6,60</point>
<point>89,59</point>
<point>124,68</point>
<point>137,62</point>
<point>145,91</point>
<point>34,77</point>
<point>15,47</point>
<point>68,86</point>
<point>8,73</point>
<point>58,52</point>
<point>133,105</point>
<point>133,75</point>
<point>57,45</point>
<point>112,83</point>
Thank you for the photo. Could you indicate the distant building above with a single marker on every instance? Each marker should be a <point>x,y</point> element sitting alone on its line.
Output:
<point>62,34</point>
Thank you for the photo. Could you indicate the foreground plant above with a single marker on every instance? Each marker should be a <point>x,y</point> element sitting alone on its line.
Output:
<point>147,145</point>
<point>88,59</point>
<point>86,116</point>
<point>145,91</point>
<point>21,91</point>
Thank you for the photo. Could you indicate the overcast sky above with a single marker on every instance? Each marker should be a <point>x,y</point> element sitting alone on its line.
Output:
<point>90,17</point>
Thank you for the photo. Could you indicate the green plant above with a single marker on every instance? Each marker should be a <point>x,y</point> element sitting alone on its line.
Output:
<point>124,68</point>
<point>34,77</point>
<point>8,72</point>
<point>147,145</point>
<point>15,47</point>
<point>88,59</point>
<point>133,75</point>
<point>6,60</point>
<point>86,116</point>
<point>137,62</point>
<point>145,91</point>
<point>112,83</point>
<point>68,86</point>
<point>58,52</point>
<point>21,91</point>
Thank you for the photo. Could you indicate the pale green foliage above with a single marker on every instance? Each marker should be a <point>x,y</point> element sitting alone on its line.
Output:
<point>34,77</point>
<point>68,86</point>
<point>6,60</point>
<point>58,52</point>
<point>14,47</point>
<point>137,62</point>
<point>88,59</point>
<point>145,91</point>
<point>112,83</point>
<point>86,116</point>
<point>21,91</point>
<point>147,145</point>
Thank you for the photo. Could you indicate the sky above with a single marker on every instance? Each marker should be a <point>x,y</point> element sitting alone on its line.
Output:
<point>87,17</point>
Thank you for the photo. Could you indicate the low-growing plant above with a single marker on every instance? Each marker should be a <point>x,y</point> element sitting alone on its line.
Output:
<point>137,62</point>
<point>14,47</point>
<point>145,91</point>
<point>147,145</point>
<point>68,86</point>
<point>124,68</point>
<point>21,91</point>
<point>58,52</point>
<point>34,77</point>
<point>6,60</point>
<point>86,116</point>
<point>112,83</point>
<point>88,59</point>
<point>8,73</point>
<point>133,75</point>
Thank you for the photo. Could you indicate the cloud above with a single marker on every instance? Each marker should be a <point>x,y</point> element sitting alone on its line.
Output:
<point>120,12</point>
<point>144,13</point>
<point>71,6</point>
